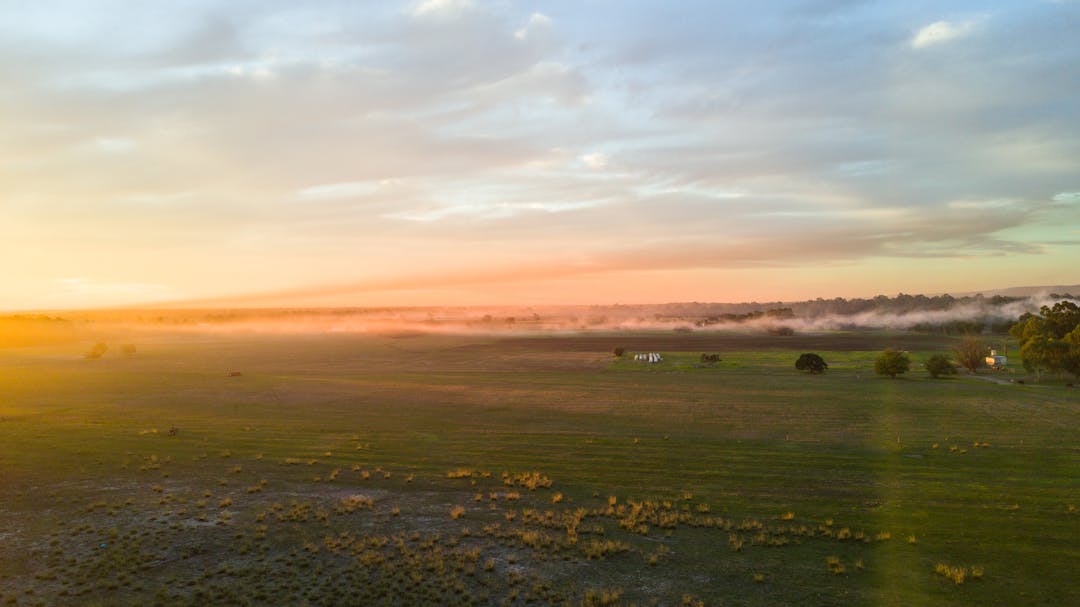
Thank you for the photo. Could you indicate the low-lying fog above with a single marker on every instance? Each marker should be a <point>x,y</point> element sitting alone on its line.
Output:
<point>899,313</point>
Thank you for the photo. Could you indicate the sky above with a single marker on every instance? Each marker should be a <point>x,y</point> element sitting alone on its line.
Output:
<point>462,152</point>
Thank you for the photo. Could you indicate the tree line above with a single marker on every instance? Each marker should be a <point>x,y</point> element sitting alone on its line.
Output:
<point>1050,340</point>
<point>1049,343</point>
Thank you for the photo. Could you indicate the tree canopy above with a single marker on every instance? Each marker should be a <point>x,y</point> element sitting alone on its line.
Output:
<point>811,362</point>
<point>939,365</point>
<point>892,363</point>
<point>1050,340</point>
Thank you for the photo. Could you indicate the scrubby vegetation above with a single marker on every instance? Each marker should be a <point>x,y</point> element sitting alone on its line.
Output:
<point>939,365</point>
<point>97,350</point>
<point>892,363</point>
<point>971,353</point>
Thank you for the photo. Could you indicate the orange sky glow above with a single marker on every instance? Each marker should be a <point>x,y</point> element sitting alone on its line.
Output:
<point>440,152</point>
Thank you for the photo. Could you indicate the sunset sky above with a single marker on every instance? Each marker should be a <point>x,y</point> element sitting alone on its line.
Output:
<point>589,151</point>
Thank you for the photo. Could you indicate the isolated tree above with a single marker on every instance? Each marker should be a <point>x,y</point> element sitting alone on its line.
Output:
<point>971,353</point>
<point>1049,341</point>
<point>128,350</point>
<point>892,363</point>
<point>939,365</point>
<point>97,351</point>
<point>618,351</point>
<point>811,362</point>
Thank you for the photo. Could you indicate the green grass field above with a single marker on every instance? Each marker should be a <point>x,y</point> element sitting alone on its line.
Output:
<point>341,470</point>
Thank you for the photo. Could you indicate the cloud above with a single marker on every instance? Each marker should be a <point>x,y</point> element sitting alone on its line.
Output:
<point>940,32</point>
<point>538,22</point>
<point>115,145</point>
<point>595,161</point>
<point>441,8</point>
<point>335,191</point>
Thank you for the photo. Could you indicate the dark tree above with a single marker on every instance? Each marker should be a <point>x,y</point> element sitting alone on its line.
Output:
<point>939,365</point>
<point>618,351</point>
<point>812,363</point>
<point>892,363</point>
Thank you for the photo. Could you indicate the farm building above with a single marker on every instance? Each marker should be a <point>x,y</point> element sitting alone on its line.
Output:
<point>995,360</point>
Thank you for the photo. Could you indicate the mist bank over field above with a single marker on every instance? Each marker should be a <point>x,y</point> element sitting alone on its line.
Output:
<point>942,314</point>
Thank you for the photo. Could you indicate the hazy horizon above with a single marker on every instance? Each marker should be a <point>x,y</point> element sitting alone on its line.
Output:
<point>1033,296</point>
<point>461,152</point>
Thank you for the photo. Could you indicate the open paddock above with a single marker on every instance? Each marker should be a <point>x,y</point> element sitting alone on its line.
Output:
<point>519,470</point>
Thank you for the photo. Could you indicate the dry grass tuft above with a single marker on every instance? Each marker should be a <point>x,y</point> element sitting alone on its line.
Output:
<point>957,574</point>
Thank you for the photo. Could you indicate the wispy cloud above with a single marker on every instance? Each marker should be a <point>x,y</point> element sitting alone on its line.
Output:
<point>441,7</point>
<point>537,23</point>
<point>595,161</point>
<point>336,191</point>
<point>940,32</point>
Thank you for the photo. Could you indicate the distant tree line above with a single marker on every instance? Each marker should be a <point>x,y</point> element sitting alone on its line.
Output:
<point>902,303</point>
<point>772,313</point>
<point>985,311</point>
<point>20,330</point>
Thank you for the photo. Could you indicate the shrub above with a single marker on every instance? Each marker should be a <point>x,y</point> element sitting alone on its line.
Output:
<point>618,351</point>
<point>892,363</point>
<point>939,365</point>
<point>811,362</point>
<point>710,358</point>
<point>601,598</point>
<point>97,351</point>
<point>971,353</point>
